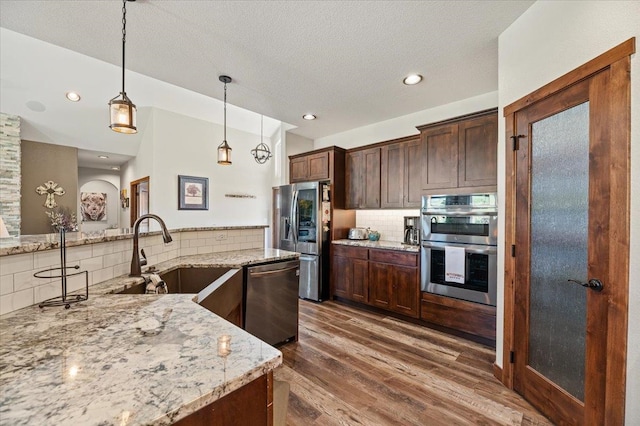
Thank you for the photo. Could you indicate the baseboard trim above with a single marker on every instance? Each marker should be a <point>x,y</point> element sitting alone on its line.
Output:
<point>497,372</point>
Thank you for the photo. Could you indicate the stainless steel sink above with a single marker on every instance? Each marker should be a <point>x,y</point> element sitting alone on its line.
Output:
<point>218,289</point>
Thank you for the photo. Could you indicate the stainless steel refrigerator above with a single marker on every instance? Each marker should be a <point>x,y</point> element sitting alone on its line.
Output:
<point>301,223</point>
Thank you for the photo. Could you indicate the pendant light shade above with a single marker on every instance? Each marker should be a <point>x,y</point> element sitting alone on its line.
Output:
<point>122,111</point>
<point>224,150</point>
<point>261,153</point>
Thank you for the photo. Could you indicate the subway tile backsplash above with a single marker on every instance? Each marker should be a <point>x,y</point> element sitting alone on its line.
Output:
<point>389,223</point>
<point>103,261</point>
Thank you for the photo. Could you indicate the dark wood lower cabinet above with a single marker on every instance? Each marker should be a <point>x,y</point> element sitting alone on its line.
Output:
<point>252,404</point>
<point>386,279</point>
<point>468,317</point>
<point>390,280</point>
<point>350,273</point>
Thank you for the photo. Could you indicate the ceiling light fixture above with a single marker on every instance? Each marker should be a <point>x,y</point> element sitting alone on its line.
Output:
<point>115,168</point>
<point>309,117</point>
<point>224,150</point>
<point>412,79</point>
<point>104,157</point>
<point>72,96</point>
<point>261,153</point>
<point>122,110</point>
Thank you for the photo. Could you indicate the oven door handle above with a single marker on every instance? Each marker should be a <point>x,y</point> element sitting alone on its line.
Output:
<point>459,213</point>
<point>469,248</point>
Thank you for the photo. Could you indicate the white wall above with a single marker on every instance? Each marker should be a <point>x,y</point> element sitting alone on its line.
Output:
<point>139,167</point>
<point>547,41</point>
<point>406,125</point>
<point>182,145</point>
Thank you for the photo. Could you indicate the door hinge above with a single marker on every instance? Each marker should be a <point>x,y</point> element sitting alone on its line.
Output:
<point>514,139</point>
<point>512,357</point>
<point>513,250</point>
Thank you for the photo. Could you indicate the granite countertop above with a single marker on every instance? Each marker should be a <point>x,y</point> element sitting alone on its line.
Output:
<point>33,243</point>
<point>228,259</point>
<point>127,359</point>
<point>121,360</point>
<point>384,245</point>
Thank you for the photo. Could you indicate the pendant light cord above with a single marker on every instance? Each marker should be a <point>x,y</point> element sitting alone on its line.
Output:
<point>225,112</point>
<point>124,36</point>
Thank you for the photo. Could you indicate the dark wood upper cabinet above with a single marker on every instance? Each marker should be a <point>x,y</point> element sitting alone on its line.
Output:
<point>392,179</point>
<point>310,167</point>
<point>413,173</point>
<point>363,179</point>
<point>440,157</point>
<point>478,151</point>
<point>460,153</point>
<point>401,165</point>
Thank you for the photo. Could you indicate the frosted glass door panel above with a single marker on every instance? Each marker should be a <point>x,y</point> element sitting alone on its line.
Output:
<point>559,231</point>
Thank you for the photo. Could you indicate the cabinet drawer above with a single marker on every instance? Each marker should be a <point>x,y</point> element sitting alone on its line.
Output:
<point>394,257</point>
<point>351,252</point>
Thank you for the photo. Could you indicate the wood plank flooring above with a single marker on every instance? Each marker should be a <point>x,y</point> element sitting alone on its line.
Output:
<point>355,367</point>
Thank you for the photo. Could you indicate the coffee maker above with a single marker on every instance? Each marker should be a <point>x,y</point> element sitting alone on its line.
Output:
<point>412,230</point>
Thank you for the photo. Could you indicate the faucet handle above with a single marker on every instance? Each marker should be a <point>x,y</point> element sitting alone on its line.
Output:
<point>143,260</point>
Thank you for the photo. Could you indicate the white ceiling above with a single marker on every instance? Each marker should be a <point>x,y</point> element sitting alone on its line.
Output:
<point>341,60</point>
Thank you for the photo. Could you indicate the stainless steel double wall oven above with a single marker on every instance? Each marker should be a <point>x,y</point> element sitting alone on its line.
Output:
<point>467,221</point>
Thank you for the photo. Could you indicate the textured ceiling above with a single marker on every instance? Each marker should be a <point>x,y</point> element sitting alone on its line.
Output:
<point>342,60</point>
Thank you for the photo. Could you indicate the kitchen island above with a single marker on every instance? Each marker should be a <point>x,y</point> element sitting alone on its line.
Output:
<point>122,359</point>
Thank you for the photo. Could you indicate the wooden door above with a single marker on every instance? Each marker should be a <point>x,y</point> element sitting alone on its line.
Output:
<point>478,152</point>
<point>354,190</point>
<point>392,176</point>
<point>359,280</point>
<point>139,201</point>
<point>371,178</point>
<point>412,174</point>
<point>380,279</point>
<point>341,273</point>
<point>298,169</point>
<point>405,290</point>
<point>568,218</point>
<point>318,166</point>
<point>440,157</point>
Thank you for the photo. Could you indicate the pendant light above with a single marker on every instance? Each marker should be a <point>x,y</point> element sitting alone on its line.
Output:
<point>261,153</point>
<point>121,109</point>
<point>224,150</point>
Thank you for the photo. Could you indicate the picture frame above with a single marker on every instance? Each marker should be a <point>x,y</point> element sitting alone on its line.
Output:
<point>193,193</point>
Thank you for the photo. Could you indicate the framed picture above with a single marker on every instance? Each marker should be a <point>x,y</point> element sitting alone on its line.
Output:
<point>193,193</point>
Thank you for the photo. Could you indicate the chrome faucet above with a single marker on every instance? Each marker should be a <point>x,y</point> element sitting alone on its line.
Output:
<point>136,265</point>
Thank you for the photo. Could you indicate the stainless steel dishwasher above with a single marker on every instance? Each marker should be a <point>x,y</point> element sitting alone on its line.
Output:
<point>271,301</point>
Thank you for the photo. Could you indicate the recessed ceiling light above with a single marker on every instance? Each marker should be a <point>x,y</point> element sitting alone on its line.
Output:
<point>309,117</point>
<point>412,79</point>
<point>104,157</point>
<point>115,168</point>
<point>72,96</point>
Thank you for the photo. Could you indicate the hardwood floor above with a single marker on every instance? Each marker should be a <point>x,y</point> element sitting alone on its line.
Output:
<point>354,367</point>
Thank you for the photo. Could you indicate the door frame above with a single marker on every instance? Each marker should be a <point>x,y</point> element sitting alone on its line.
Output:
<point>135,198</point>
<point>617,61</point>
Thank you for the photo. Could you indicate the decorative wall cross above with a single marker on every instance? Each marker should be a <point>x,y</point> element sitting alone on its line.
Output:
<point>51,189</point>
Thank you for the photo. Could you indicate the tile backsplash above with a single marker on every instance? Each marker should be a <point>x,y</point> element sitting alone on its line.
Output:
<point>389,223</point>
<point>19,288</point>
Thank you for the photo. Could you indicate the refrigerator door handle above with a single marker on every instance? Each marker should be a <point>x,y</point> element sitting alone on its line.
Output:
<point>294,216</point>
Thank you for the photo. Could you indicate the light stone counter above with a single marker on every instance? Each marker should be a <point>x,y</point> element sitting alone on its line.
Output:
<point>121,360</point>
<point>229,259</point>
<point>127,359</point>
<point>35,243</point>
<point>384,245</point>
